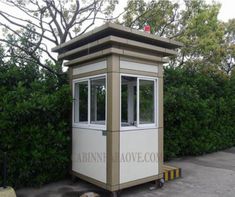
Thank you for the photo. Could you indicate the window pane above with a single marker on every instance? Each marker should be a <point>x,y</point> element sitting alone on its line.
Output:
<point>81,102</point>
<point>146,101</point>
<point>98,91</point>
<point>128,101</point>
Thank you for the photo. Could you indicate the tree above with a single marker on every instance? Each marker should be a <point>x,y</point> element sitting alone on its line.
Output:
<point>160,15</point>
<point>51,23</point>
<point>228,63</point>
<point>195,25</point>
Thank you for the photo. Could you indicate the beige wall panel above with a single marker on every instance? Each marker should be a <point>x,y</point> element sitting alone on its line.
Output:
<point>113,141</point>
<point>113,107</point>
<point>144,72</point>
<point>160,70</point>
<point>113,63</point>
<point>89,68</point>
<point>85,142</point>
<point>135,72</point>
<point>137,60</point>
<point>113,121</point>
<point>97,72</point>
<point>90,62</point>
<point>160,149</point>
<point>144,163</point>
<point>138,66</point>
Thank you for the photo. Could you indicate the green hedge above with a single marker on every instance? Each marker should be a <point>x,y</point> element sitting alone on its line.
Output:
<point>199,108</point>
<point>34,124</point>
<point>35,117</point>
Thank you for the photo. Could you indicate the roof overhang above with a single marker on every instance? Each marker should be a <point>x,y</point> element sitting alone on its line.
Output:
<point>114,36</point>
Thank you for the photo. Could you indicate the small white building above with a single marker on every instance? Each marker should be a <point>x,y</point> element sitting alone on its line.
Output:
<point>116,75</point>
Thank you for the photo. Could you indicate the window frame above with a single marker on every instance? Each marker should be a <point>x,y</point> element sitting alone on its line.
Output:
<point>156,103</point>
<point>73,112</point>
<point>89,125</point>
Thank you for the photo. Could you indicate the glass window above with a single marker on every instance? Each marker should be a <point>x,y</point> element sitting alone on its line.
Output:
<point>81,102</point>
<point>146,101</point>
<point>98,90</point>
<point>129,101</point>
<point>137,101</point>
<point>95,101</point>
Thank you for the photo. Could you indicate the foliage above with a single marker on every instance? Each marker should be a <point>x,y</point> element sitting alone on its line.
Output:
<point>207,41</point>
<point>34,124</point>
<point>228,62</point>
<point>199,111</point>
<point>160,15</point>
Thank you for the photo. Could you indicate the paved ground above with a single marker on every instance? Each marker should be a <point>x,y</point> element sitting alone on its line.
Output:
<point>211,175</point>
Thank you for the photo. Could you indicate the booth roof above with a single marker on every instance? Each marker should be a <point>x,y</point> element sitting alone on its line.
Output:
<point>111,29</point>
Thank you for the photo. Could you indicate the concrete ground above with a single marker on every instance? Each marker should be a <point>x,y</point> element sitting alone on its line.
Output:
<point>211,175</point>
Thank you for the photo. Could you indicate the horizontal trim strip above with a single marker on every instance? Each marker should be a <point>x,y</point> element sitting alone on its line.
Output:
<point>115,51</point>
<point>138,66</point>
<point>118,41</point>
<point>91,67</point>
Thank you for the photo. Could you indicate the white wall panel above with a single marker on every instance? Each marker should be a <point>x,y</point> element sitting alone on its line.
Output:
<point>143,143</point>
<point>88,147</point>
<point>138,66</point>
<point>90,67</point>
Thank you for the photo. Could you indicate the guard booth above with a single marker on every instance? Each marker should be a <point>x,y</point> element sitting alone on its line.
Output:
<point>116,75</point>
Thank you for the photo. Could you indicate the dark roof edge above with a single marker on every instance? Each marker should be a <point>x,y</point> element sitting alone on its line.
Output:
<point>113,40</point>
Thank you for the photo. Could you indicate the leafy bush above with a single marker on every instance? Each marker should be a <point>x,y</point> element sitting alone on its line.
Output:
<point>199,110</point>
<point>34,124</point>
<point>35,118</point>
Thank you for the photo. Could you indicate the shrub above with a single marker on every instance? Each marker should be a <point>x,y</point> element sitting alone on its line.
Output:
<point>34,124</point>
<point>199,112</point>
<point>35,117</point>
